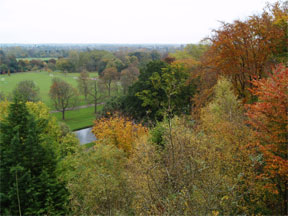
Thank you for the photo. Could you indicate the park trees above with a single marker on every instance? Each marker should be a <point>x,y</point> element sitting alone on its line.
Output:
<point>27,90</point>
<point>8,63</point>
<point>65,65</point>
<point>29,184</point>
<point>63,95</point>
<point>108,76</point>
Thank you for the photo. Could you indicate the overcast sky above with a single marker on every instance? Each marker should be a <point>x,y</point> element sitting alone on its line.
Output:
<point>118,21</point>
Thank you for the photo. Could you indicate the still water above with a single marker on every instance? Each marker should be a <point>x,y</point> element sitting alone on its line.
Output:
<point>85,136</point>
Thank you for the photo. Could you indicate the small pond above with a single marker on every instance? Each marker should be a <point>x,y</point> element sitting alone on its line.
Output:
<point>85,136</point>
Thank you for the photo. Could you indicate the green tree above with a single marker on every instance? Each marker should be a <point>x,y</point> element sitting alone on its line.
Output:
<point>27,90</point>
<point>29,184</point>
<point>164,89</point>
<point>65,65</point>
<point>134,104</point>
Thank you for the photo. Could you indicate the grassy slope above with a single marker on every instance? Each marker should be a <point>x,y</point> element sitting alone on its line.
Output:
<point>76,119</point>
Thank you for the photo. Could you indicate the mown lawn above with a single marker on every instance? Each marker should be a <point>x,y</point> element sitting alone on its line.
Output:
<point>42,79</point>
<point>77,119</point>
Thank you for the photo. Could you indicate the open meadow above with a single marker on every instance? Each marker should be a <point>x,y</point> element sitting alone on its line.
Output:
<point>43,80</point>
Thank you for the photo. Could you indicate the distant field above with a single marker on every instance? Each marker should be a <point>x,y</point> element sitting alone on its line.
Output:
<point>42,79</point>
<point>29,59</point>
<point>76,119</point>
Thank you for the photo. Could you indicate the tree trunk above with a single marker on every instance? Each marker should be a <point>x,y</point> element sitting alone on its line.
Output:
<point>63,114</point>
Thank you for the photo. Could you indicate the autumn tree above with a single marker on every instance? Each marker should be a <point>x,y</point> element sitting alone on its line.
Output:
<point>63,95</point>
<point>128,77</point>
<point>226,135</point>
<point>83,81</point>
<point>118,131</point>
<point>268,116</point>
<point>247,49</point>
<point>109,75</point>
<point>207,170</point>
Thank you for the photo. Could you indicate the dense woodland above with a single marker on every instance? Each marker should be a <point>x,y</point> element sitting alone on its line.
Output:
<point>198,131</point>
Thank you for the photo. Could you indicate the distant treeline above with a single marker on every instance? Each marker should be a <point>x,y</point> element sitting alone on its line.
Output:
<point>77,61</point>
<point>62,50</point>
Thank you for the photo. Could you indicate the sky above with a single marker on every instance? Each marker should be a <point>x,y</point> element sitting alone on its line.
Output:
<point>118,21</point>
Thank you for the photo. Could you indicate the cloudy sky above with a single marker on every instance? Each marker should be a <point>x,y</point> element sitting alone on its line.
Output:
<point>118,21</point>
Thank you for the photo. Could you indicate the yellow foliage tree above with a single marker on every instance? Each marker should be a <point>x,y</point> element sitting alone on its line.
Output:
<point>118,131</point>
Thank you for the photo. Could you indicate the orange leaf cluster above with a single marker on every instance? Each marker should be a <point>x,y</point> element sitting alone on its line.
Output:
<point>268,116</point>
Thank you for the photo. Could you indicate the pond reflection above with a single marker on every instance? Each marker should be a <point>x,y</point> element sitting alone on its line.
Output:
<point>85,136</point>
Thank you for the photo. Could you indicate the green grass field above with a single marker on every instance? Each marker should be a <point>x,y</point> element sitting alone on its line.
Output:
<point>76,119</point>
<point>42,79</point>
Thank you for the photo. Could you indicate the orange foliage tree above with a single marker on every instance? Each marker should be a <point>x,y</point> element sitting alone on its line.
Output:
<point>243,50</point>
<point>268,116</point>
<point>118,131</point>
